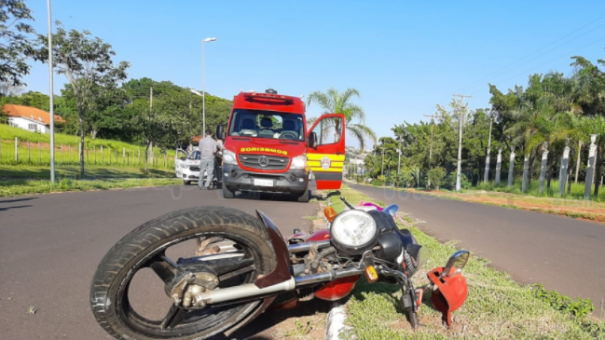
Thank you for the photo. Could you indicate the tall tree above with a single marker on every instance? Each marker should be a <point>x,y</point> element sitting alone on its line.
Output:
<point>333,101</point>
<point>87,64</point>
<point>15,46</point>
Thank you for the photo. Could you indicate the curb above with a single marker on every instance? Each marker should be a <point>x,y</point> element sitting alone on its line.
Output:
<point>336,322</point>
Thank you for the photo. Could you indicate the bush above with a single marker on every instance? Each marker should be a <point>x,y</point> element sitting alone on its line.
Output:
<point>449,182</point>
<point>377,182</point>
<point>436,176</point>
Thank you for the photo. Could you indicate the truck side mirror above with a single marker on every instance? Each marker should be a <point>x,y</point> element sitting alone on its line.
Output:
<point>312,140</point>
<point>220,132</point>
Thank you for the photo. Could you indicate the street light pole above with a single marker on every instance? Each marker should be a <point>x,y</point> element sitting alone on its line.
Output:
<point>489,144</point>
<point>52,114</point>
<point>459,166</point>
<point>204,86</point>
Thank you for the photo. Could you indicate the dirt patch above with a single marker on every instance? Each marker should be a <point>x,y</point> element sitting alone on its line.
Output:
<point>585,210</point>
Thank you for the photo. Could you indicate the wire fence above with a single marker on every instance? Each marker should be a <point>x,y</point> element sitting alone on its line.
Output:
<point>24,152</point>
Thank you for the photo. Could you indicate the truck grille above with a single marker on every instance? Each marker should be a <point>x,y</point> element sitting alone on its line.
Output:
<point>273,162</point>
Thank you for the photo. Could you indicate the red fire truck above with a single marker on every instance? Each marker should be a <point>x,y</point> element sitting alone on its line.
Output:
<point>268,147</point>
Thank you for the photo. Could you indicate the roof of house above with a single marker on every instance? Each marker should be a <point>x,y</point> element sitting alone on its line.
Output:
<point>31,113</point>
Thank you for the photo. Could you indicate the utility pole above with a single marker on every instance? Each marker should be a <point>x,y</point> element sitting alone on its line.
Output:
<point>382,169</point>
<point>51,94</point>
<point>431,147</point>
<point>459,170</point>
<point>489,143</point>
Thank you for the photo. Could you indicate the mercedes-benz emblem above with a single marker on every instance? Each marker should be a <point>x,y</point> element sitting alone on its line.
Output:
<point>263,161</point>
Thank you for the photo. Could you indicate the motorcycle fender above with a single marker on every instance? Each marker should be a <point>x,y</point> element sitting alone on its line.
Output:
<point>450,293</point>
<point>281,272</point>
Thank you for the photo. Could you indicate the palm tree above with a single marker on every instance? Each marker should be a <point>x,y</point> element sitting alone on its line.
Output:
<point>333,101</point>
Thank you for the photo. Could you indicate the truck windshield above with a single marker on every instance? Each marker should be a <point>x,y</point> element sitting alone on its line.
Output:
<point>267,124</point>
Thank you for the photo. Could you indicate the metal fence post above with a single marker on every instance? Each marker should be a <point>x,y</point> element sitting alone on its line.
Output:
<point>94,151</point>
<point>139,157</point>
<point>29,153</point>
<point>68,153</point>
<point>102,156</point>
<point>123,155</point>
<point>109,155</point>
<point>16,149</point>
<point>61,153</point>
<point>39,153</point>
<point>0,150</point>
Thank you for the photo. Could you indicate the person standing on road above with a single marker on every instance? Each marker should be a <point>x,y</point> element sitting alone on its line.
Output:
<point>208,148</point>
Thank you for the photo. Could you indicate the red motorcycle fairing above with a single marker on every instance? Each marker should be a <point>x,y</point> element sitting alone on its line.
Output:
<point>281,272</point>
<point>451,293</point>
<point>319,235</point>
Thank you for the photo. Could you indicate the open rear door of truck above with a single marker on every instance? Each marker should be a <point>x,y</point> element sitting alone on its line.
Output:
<point>326,159</point>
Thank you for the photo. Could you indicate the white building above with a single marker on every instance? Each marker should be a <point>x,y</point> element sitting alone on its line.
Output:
<point>29,118</point>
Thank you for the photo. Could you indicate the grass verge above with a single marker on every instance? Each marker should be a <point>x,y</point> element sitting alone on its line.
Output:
<point>91,172</point>
<point>10,188</point>
<point>569,207</point>
<point>496,308</point>
<point>588,210</point>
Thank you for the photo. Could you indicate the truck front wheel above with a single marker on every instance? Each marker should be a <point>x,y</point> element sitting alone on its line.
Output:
<point>227,193</point>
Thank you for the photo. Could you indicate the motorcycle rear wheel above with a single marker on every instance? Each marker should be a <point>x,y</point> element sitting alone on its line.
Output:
<point>146,245</point>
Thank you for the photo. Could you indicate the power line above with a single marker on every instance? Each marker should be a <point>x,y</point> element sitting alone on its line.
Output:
<point>538,50</point>
<point>554,59</point>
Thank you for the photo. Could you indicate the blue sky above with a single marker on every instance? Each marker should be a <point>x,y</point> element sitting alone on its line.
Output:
<point>404,57</point>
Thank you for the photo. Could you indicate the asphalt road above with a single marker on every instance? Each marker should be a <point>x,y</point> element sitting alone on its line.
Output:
<point>563,254</point>
<point>50,246</point>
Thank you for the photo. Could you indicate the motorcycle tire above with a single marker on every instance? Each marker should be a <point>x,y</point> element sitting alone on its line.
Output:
<point>109,297</point>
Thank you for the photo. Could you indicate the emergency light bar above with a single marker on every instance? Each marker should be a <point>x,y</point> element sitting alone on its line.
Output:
<point>268,98</point>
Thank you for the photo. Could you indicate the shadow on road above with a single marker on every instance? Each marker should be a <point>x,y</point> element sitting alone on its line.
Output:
<point>259,329</point>
<point>18,200</point>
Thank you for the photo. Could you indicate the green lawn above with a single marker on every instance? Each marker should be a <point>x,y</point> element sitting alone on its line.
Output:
<point>576,192</point>
<point>496,308</point>
<point>10,188</point>
<point>92,172</point>
<point>97,151</point>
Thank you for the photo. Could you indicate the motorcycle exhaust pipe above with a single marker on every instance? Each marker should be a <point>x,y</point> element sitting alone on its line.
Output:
<point>250,290</point>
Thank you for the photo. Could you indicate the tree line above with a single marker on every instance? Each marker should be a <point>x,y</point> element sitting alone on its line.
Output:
<point>552,112</point>
<point>98,100</point>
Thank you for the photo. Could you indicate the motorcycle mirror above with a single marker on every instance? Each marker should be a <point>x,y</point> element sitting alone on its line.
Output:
<point>392,209</point>
<point>457,261</point>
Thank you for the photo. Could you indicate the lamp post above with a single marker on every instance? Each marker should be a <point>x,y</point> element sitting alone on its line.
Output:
<point>203,113</point>
<point>204,87</point>
<point>52,115</point>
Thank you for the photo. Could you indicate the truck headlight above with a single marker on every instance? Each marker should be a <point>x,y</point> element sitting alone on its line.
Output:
<point>299,162</point>
<point>229,157</point>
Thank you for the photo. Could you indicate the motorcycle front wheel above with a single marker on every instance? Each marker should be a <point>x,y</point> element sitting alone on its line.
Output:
<point>231,244</point>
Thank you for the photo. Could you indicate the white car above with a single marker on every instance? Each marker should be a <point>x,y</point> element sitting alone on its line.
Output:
<point>187,166</point>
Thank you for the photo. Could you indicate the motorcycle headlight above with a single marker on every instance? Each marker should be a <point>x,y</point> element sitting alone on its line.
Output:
<point>299,162</point>
<point>353,232</point>
<point>229,157</point>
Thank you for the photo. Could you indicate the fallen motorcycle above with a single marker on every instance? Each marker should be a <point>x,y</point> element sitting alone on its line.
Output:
<point>242,265</point>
